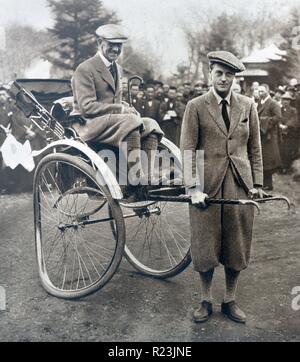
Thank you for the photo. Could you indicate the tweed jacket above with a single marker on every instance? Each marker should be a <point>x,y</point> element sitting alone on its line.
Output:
<point>95,91</point>
<point>240,147</point>
<point>97,98</point>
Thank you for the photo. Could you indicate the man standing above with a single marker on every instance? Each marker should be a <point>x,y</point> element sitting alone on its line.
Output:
<point>97,90</point>
<point>187,93</point>
<point>198,90</point>
<point>171,113</point>
<point>166,89</point>
<point>278,94</point>
<point>136,102</point>
<point>150,106</point>
<point>289,133</point>
<point>225,127</point>
<point>269,113</point>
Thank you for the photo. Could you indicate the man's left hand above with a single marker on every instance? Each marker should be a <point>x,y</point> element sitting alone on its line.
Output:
<point>258,193</point>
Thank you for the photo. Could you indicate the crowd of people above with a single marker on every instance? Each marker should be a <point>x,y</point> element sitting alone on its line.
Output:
<point>166,104</point>
<point>279,114</point>
<point>13,121</point>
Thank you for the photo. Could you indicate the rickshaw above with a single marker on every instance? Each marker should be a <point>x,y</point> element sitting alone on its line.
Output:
<point>82,224</point>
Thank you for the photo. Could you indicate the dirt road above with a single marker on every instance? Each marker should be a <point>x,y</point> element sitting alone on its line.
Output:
<point>135,308</point>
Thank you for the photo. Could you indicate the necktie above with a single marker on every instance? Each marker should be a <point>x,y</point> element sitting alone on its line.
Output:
<point>113,71</point>
<point>225,114</point>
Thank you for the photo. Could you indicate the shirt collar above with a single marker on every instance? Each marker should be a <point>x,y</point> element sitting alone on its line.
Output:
<point>219,99</point>
<point>263,101</point>
<point>104,60</point>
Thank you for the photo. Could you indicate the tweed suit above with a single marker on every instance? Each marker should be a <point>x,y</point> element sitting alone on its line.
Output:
<point>232,166</point>
<point>97,97</point>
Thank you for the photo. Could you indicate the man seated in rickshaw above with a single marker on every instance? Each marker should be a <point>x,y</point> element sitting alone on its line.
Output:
<point>97,90</point>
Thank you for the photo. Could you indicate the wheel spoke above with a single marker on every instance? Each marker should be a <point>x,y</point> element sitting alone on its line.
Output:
<point>76,254</point>
<point>153,244</point>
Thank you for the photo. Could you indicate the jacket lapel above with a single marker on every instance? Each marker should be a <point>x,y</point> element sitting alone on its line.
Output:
<point>261,107</point>
<point>104,71</point>
<point>235,113</point>
<point>214,110</point>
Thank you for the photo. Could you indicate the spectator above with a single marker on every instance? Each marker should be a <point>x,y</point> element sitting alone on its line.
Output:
<point>166,89</point>
<point>179,97</point>
<point>278,94</point>
<point>289,133</point>
<point>159,94</point>
<point>171,113</point>
<point>150,106</point>
<point>187,93</point>
<point>198,90</point>
<point>254,93</point>
<point>270,117</point>
<point>136,102</point>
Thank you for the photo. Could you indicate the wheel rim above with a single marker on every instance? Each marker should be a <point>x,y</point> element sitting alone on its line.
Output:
<point>74,254</point>
<point>158,240</point>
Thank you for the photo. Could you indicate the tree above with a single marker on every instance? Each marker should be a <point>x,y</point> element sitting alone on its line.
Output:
<point>238,32</point>
<point>75,24</point>
<point>23,45</point>
<point>290,33</point>
<point>220,32</point>
<point>140,63</point>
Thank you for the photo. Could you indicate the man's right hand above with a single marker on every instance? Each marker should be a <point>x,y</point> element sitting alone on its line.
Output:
<point>198,197</point>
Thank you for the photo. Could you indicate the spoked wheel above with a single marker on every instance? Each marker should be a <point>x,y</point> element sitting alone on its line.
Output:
<point>78,251</point>
<point>158,238</point>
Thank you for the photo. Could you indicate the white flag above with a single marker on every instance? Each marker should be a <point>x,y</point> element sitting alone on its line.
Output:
<point>14,153</point>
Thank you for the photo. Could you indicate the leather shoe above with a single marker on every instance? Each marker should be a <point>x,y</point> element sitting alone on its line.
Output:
<point>203,313</point>
<point>233,312</point>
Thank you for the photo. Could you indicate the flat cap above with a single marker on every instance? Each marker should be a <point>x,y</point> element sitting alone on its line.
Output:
<point>226,58</point>
<point>287,96</point>
<point>112,33</point>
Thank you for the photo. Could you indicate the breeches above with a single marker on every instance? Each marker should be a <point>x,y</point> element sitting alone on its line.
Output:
<point>222,233</point>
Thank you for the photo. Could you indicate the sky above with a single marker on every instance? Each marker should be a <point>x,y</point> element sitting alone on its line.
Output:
<point>154,24</point>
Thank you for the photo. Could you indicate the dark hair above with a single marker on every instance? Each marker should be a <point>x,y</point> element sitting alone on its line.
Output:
<point>149,86</point>
<point>173,88</point>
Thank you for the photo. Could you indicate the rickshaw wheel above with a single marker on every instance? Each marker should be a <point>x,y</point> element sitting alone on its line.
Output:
<point>77,251</point>
<point>158,239</point>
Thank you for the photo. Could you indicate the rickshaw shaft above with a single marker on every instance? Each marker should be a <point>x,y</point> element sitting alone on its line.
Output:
<point>140,212</point>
